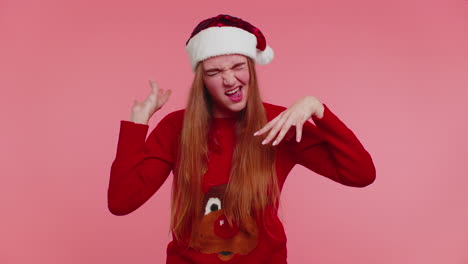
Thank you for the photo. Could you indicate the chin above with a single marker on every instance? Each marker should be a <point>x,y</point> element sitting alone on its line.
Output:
<point>239,106</point>
<point>228,108</point>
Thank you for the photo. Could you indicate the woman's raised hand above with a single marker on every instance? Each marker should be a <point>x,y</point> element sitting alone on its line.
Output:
<point>142,111</point>
<point>296,115</point>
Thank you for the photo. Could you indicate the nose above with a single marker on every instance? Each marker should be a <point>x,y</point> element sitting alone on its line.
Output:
<point>228,78</point>
<point>223,229</point>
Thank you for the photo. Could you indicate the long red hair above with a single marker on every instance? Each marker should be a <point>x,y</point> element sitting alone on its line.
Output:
<point>253,183</point>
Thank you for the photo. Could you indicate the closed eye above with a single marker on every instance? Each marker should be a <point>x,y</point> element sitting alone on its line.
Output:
<point>239,66</point>
<point>211,73</point>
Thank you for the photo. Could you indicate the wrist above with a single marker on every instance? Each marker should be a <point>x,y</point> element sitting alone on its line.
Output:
<point>139,120</point>
<point>318,109</point>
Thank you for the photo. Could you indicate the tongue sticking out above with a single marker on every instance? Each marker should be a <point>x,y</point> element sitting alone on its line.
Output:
<point>236,97</point>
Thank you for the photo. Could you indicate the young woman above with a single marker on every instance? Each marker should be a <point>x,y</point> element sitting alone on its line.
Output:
<point>229,152</point>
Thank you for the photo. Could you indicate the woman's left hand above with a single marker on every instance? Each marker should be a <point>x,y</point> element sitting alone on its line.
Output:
<point>295,115</point>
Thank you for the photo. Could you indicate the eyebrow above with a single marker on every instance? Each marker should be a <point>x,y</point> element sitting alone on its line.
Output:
<point>216,69</point>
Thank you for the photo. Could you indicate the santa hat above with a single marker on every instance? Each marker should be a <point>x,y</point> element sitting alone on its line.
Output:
<point>225,34</point>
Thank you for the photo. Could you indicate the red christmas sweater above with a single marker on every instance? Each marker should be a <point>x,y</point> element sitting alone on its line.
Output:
<point>141,166</point>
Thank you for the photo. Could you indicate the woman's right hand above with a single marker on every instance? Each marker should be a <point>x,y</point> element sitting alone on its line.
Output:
<point>142,111</point>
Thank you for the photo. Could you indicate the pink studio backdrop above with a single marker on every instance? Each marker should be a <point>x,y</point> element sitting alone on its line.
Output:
<point>396,72</point>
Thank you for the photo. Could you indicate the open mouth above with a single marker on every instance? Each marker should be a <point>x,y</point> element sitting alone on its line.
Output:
<point>225,253</point>
<point>233,91</point>
<point>235,95</point>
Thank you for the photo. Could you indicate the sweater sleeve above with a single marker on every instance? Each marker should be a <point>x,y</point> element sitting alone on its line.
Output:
<point>139,168</point>
<point>331,149</point>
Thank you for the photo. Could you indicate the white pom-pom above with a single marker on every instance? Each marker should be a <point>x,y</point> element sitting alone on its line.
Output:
<point>266,56</point>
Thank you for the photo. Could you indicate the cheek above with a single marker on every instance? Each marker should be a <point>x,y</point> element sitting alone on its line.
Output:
<point>211,85</point>
<point>244,76</point>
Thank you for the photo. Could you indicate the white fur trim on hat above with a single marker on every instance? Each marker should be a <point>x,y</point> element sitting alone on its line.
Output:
<point>215,41</point>
<point>266,56</point>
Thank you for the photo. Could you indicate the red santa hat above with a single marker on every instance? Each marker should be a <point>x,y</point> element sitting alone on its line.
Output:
<point>225,34</point>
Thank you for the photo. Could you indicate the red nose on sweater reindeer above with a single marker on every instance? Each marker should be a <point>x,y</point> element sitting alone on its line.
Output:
<point>213,234</point>
<point>223,229</point>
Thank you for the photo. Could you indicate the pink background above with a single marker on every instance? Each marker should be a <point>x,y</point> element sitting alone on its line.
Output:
<point>394,71</point>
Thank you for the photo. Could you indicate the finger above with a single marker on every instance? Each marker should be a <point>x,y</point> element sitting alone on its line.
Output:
<point>299,125</point>
<point>152,97</point>
<point>165,96</point>
<point>287,125</point>
<point>268,126</point>
<point>153,85</point>
<point>275,129</point>
<point>155,93</point>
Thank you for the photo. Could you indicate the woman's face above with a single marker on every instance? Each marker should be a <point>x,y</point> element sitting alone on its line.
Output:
<point>226,78</point>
